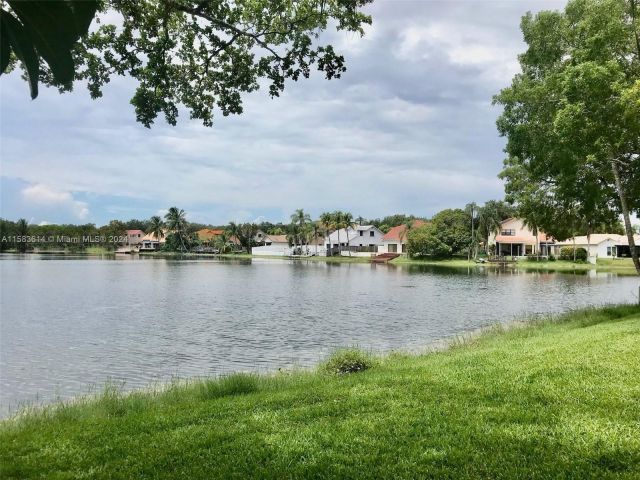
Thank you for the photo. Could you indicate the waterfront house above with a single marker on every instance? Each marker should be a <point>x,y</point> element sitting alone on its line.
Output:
<point>358,240</point>
<point>516,240</point>
<point>150,243</point>
<point>134,237</point>
<point>602,245</point>
<point>208,235</point>
<point>395,240</point>
<point>271,245</point>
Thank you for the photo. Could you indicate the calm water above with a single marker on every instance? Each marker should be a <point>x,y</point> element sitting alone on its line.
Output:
<point>67,324</point>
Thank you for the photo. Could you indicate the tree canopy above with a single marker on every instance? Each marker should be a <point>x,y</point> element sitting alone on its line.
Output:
<point>196,54</point>
<point>572,116</point>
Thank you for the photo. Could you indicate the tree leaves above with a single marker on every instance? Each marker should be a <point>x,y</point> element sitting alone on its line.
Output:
<point>17,39</point>
<point>47,29</point>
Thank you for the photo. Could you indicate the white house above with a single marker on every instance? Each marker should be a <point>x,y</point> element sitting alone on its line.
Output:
<point>602,245</point>
<point>149,243</point>
<point>395,240</point>
<point>271,245</point>
<point>278,245</point>
<point>357,241</point>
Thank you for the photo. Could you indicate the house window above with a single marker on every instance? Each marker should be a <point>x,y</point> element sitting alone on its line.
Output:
<point>510,232</point>
<point>360,244</point>
<point>371,233</point>
<point>361,233</point>
<point>392,248</point>
<point>609,251</point>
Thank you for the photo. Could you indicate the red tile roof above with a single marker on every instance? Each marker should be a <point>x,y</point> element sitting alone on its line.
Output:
<point>208,233</point>
<point>394,233</point>
<point>135,232</point>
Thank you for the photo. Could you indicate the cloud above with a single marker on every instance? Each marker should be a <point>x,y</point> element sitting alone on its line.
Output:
<point>42,195</point>
<point>408,128</point>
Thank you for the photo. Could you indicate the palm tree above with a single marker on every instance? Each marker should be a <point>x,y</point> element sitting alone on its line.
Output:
<point>327,222</point>
<point>177,222</point>
<point>346,222</point>
<point>300,219</point>
<point>315,230</point>
<point>489,222</point>
<point>156,228</point>
<point>221,242</point>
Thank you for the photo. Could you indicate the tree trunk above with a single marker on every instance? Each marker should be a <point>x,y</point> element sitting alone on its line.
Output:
<point>625,216</point>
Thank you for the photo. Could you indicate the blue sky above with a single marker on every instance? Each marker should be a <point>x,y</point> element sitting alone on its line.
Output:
<point>409,128</point>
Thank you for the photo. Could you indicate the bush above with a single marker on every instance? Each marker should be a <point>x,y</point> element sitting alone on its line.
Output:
<point>566,253</point>
<point>227,385</point>
<point>349,360</point>
<point>552,258</point>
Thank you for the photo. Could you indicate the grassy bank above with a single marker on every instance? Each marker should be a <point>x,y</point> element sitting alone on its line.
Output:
<point>245,256</point>
<point>555,399</point>
<point>619,265</point>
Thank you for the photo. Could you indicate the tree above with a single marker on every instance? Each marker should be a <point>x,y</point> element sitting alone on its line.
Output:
<point>245,233</point>
<point>327,221</point>
<point>22,230</point>
<point>425,241</point>
<point>299,220</point>
<point>490,216</point>
<point>572,117</point>
<point>346,221</point>
<point>156,227</point>
<point>176,220</point>
<point>205,54</point>
<point>36,32</point>
<point>222,243</point>
<point>404,232</point>
<point>451,226</point>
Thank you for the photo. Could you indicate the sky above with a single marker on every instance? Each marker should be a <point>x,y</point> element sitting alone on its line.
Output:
<point>409,128</point>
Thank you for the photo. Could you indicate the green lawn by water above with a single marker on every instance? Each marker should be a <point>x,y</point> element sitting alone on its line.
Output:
<point>556,399</point>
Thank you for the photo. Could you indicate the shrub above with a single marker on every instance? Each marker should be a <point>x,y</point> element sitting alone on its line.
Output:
<point>552,258</point>
<point>227,385</point>
<point>348,360</point>
<point>566,253</point>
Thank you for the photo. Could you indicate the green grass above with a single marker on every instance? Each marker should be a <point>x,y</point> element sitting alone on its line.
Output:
<point>619,265</point>
<point>557,398</point>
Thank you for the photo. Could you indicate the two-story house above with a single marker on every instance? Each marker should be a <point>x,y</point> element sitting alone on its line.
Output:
<point>516,240</point>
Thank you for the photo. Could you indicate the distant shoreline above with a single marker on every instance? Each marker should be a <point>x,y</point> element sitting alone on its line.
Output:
<point>619,265</point>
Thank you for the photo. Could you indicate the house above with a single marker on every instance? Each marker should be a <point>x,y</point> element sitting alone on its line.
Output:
<point>395,240</point>
<point>134,237</point>
<point>279,245</point>
<point>359,241</point>
<point>271,245</point>
<point>149,243</point>
<point>622,248</point>
<point>208,235</point>
<point>602,245</point>
<point>516,240</point>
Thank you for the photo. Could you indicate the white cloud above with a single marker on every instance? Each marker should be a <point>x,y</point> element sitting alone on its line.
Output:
<point>45,196</point>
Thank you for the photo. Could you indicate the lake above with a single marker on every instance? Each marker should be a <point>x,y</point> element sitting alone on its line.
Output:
<point>69,324</point>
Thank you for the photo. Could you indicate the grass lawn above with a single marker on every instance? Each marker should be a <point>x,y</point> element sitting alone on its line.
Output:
<point>554,399</point>
<point>618,265</point>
